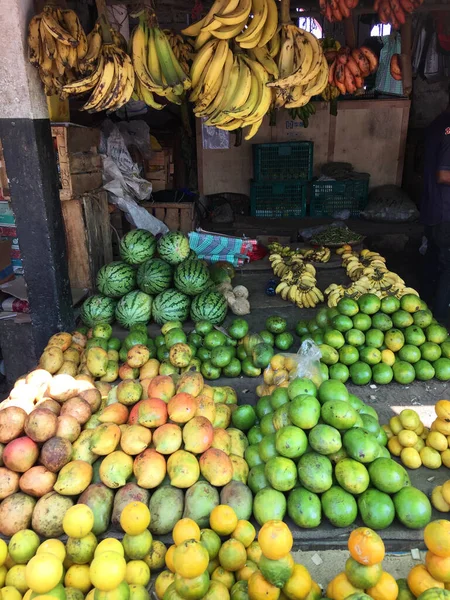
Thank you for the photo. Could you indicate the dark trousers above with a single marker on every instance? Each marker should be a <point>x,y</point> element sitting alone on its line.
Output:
<point>435,285</point>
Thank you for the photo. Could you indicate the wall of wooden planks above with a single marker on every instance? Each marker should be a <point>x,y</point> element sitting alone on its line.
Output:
<point>370,134</point>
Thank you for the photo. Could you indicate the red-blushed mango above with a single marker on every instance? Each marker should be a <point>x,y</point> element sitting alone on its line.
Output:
<point>73,478</point>
<point>198,435</point>
<point>68,428</point>
<point>190,382</point>
<point>216,467</point>
<point>20,454</point>
<point>152,412</point>
<point>161,387</point>
<point>9,482</point>
<point>15,513</point>
<point>49,403</point>
<point>105,439</point>
<point>206,407</point>
<point>114,413</point>
<point>149,468</point>
<point>183,469</point>
<point>182,407</point>
<point>223,415</point>
<point>115,469</point>
<point>240,468</point>
<point>55,453</point>
<point>167,438</point>
<point>135,439</point>
<point>221,440</point>
<point>77,408</point>
<point>90,394</point>
<point>150,369</point>
<point>12,422</point>
<point>37,481</point>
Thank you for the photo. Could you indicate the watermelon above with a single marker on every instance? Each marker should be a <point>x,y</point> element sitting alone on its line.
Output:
<point>191,277</point>
<point>98,309</point>
<point>137,246</point>
<point>135,307</point>
<point>209,306</point>
<point>116,279</point>
<point>170,305</point>
<point>174,247</point>
<point>154,276</point>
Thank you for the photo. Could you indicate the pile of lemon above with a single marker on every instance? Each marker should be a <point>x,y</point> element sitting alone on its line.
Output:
<point>82,567</point>
<point>226,561</point>
<point>415,444</point>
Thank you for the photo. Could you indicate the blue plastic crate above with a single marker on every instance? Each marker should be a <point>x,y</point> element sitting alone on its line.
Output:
<point>328,197</point>
<point>285,161</point>
<point>278,199</point>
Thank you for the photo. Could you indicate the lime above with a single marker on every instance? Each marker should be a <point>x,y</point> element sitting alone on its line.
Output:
<point>317,337</point>
<point>389,305</point>
<point>362,322</point>
<point>342,323</point>
<point>360,373</point>
<point>266,424</point>
<point>193,349</point>
<point>304,411</point>
<point>334,338</point>
<point>162,353</point>
<point>339,372</point>
<point>240,352</point>
<point>159,341</point>
<point>402,319</point>
<point>369,355</point>
<point>213,339</point>
<point>332,390</point>
<point>262,353</point>
<point>301,386</point>
<point>312,325</point>
<point>134,338</point>
<point>243,417</point>
<point>203,327</point>
<point>430,351</point>
<point>355,402</point>
<point>347,355</point>
<point>291,441</point>
<point>403,372</point>
<point>382,373</point>
<point>369,304</point>
<point>411,303</point>
<point>422,318</point>
<point>175,336</point>
<point>347,307</point>
<point>442,368</point>
<point>374,338</point>
<point>301,328</point>
<point>238,329</point>
<point>436,333</point>
<point>381,321</point>
<point>267,337</point>
<point>257,478</point>
<point>424,370</point>
<point>324,371</point>
<point>249,369</point>
<point>231,342</point>
<point>414,335</point>
<point>279,397</point>
<point>263,406</point>
<point>209,371</point>
<point>283,341</point>
<point>267,448</point>
<point>255,435</point>
<point>322,317</point>
<point>276,324</point>
<point>355,337</point>
<point>394,339</point>
<point>194,339</point>
<point>445,348</point>
<point>233,368</point>
<point>409,353</point>
<point>332,312</point>
<point>114,343</point>
<point>203,353</point>
<point>330,355</point>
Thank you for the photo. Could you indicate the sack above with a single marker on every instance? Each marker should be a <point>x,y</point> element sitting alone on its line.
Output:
<point>389,203</point>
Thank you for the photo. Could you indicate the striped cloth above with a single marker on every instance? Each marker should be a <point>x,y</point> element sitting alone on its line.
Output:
<point>213,247</point>
<point>385,83</point>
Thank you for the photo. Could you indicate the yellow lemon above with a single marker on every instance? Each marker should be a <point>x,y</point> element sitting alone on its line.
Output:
<point>107,570</point>
<point>137,573</point>
<point>437,440</point>
<point>78,577</point>
<point>407,438</point>
<point>430,458</point>
<point>410,458</point>
<point>394,446</point>
<point>109,544</point>
<point>16,578</point>
<point>53,546</point>
<point>3,551</point>
<point>43,572</point>
<point>396,425</point>
<point>185,529</point>
<point>10,593</point>
<point>155,559</point>
<point>135,518</point>
<point>78,521</point>
<point>138,592</point>
<point>81,550</point>
<point>387,357</point>
<point>438,500</point>
<point>3,571</point>
<point>23,545</point>
<point>409,419</point>
<point>162,582</point>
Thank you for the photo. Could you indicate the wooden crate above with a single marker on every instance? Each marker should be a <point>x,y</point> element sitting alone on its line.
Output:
<point>80,165</point>
<point>177,216</point>
<point>158,169</point>
<point>88,237</point>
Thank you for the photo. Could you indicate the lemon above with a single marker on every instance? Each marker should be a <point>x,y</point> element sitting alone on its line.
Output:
<point>409,419</point>
<point>3,571</point>
<point>109,544</point>
<point>437,440</point>
<point>53,546</point>
<point>78,577</point>
<point>162,582</point>
<point>407,438</point>
<point>155,559</point>
<point>107,570</point>
<point>10,593</point>
<point>3,551</point>
<point>431,458</point>
<point>419,444</point>
<point>78,521</point>
<point>57,593</point>
<point>90,595</point>
<point>394,446</point>
<point>23,545</point>
<point>81,550</point>
<point>410,458</point>
<point>16,578</point>
<point>27,595</point>
<point>135,518</point>
<point>43,572</point>
<point>74,594</point>
<point>121,592</point>
<point>396,425</point>
<point>137,573</point>
<point>137,546</point>
<point>438,501</point>
<point>138,592</point>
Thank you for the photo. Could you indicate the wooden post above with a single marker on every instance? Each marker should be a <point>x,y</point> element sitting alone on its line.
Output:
<point>285,16</point>
<point>405,56</point>
<point>349,32</point>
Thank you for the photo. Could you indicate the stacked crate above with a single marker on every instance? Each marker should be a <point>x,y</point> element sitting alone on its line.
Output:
<point>280,178</point>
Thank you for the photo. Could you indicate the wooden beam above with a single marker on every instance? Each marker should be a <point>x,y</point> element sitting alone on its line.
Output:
<point>405,56</point>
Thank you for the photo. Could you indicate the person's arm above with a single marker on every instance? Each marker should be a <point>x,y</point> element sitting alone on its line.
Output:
<point>443,173</point>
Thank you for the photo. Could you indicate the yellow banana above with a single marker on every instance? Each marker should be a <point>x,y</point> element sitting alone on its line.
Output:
<point>127,89</point>
<point>226,32</point>
<point>243,87</point>
<point>117,84</point>
<point>317,86</point>
<point>218,117</point>
<point>223,7</point>
<point>48,41</point>
<point>94,46</point>
<point>238,15</point>
<point>231,126</point>
<point>250,105</point>
<point>153,65</point>
<point>73,26</point>
<point>200,61</point>
<point>35,49</point>
<point>216,65</point>
<point>139,58</point>
<point>194,29</point>
<point>274,45</point>
<point>259,10</point>
<point>104,83</point>
<point>205,100</point>
<point>271,23</point>
<point>261,54</point>
<point>229,63</point>
<point>202,38</point>
<point>56,29</point>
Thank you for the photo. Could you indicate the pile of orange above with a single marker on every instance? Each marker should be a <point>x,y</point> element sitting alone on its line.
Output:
<point>364,570</point>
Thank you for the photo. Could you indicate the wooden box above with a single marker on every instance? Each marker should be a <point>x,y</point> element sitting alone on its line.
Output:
<point>80,165</point>
<point>158,169</point>
<point>88,237</point>
<point>180,216</point>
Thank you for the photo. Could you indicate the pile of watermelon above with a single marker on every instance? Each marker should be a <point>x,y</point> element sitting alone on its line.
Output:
<point>161,280</point>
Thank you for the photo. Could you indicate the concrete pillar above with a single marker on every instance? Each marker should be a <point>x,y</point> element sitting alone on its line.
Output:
<point>31,168</point>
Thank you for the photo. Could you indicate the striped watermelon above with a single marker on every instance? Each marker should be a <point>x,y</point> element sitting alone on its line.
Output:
<point>116,279</point>
<point>137,246</point>
<point>135,307</point>
<point>191,277</point>
<point>154,276</point>
<point>174,247</point>
<point>209,306</point>
<point>98,309</point>
<point>170,305</point>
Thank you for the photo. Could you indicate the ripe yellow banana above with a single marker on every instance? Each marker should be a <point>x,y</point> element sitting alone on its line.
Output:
<point>56,29</point>
<point>259,10</point>
<point>105,81</point>
<point>238,15</point>
<point>242,88</point>
<point>226,32</point>
<point>73,26</point>
<point>271,23</point>
<point>35,50</point>
<point>262,55</point>
<point>200,61</point>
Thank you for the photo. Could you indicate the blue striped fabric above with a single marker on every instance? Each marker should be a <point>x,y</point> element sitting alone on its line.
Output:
<point>213,247</point>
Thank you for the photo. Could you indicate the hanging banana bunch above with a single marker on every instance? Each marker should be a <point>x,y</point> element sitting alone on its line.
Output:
<point>57,44</point>
<point>157,69</point>
<point>183,49</point>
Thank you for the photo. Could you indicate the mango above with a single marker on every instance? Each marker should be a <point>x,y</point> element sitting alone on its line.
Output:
<point>162,387</point>
<point>100,500</point>
<point>55,453</point>
<point>166,508</point>
<point>15,513</point>
<point>199,501</point>
<point>37,481</point>
<point>112,370</point>
<point>135,439</point>
<point>149,369</point>
<point>167,438</point>
<point>183,469</point>
<point>240,468</point>
<point>48,514</point>
<point>81,448</point>
<point>61,340</point>
<point>239,497</point>
<point>223,416</point>
<point>115,469</point>
<point>149,468</point>
<point>9,482</point>
<point>97,361</point>
<point>216,467</point>
<point>77,408</point>
<point>105,439</point>
<point>206,407</point>
<point>73,478</point>
<point>52,359</point>
<point>239,441</point>
<point>190,382</point>
<point>151,412</point>
<point>128,493</point>
<point>68,368</point>
<point>12,421</point>
<point>129,392</point>
<point>181,407</point>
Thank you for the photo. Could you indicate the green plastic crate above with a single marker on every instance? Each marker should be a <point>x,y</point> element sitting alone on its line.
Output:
<point>328,197</point>
<point>283,162</point>
<point>278,199</point>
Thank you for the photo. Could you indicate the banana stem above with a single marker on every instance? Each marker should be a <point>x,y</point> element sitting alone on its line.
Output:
<point>285,12</point>
<point>106,32</point>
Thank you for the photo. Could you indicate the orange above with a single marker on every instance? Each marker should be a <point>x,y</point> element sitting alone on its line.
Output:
<point>169,558</point>
<point>232,555</point>
<point>247,570</point>
<point>437,535</point>
<point>185,529</point>
<point>438,566</point>
<point>366,546</point>
<point>223,519</point>
<point>254,552</point>
<point>340,587</point>
<point>225,577</point>
<point>315,592</point>
<point>162,582</point>
<point>299,584</point>
<point>419,580</point>
<point>135,518</point>
<point>260,589</point>
<point>275,539</point>
<point>244,532</point>
<point>385,589</point>
<point>190,559</point>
